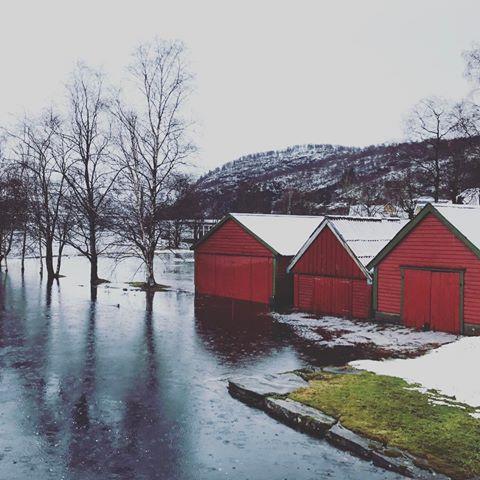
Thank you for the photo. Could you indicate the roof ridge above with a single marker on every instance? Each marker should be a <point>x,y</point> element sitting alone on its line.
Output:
<point>461,206</point>
<point>367,239</point>
<point>363,219</point>
<point>276,215</point>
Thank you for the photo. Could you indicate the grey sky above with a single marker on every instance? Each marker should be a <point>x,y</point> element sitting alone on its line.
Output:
<point>268,73</point>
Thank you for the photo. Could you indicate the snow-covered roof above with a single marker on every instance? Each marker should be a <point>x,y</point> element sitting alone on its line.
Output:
<point>363,236</point>
<point>465,218</point>
<point>283,233</point>
<point>366,236</point>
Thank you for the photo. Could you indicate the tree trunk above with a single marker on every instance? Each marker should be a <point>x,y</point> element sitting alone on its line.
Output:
<point>94,280</point>
<point>49,259</point>
<point>59,258</point>
<point>8,249</point>
<point>24,247</point>
<point>436,185</point>
<point>436,179</point>
<point>40,253</point>
<point>93,292</point>
<point>150,280</point>
<point>149,296</point>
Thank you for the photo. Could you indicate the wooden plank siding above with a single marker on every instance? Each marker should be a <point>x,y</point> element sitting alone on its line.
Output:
<point>328,281</point>
<point>326,256</point>
<point>304,292</point>
<point>362,299</point>
<point>308,299</point>
<point>431,245</point>
<point>232,239</point>
<point>233,263</point>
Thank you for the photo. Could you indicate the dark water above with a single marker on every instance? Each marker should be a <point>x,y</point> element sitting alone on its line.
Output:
<point>115,390</point>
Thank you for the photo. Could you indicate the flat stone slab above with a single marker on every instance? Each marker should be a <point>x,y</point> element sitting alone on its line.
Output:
<point>345,439</point>
<point>254,390</point>
<point>299,416</point>
<point>405,465</point>
<point>387,458</point>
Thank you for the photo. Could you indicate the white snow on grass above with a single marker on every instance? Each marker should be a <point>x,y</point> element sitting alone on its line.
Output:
<point>335,332</point>
<point>450,369</point>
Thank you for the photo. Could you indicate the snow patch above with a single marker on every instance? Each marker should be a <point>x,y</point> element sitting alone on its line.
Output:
<point>450,370</point>
<point>334,332</point>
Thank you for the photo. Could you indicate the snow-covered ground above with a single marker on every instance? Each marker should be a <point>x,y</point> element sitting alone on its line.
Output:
<point>335,332</point>
<point>450,369</point>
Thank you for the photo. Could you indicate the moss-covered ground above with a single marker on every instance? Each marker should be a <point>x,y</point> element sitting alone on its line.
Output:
<point>392,411</point>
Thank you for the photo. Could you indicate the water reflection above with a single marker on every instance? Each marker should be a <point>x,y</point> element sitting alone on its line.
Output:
<point>132,386</point>
<point>234,330</point>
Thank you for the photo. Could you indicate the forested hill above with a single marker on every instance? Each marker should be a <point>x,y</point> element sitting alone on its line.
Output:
<point>319,178</point>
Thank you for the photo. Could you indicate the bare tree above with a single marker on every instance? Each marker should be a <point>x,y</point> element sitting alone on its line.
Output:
<point>65,223</point>
<point>153,144</point>
<point>184,210</point>
<point>463,151</point>
<point>431,123</point>
<point>404,191</point>
<point>347,186</point>
<point>12,207</point>
<point>371,199</point>
<point>36,151</point>
<point>27,214</point>
<point>88,170</point>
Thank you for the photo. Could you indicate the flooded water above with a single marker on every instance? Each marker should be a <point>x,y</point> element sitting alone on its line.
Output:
<point>127,388</point>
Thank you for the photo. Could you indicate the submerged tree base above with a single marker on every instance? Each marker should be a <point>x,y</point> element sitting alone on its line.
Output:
<point>395,413</point>
<point>158,287</point>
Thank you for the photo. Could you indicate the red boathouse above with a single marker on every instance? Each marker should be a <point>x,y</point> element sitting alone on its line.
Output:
<point>428,276</point>
<point>245,256</point>
<point>330,273</point>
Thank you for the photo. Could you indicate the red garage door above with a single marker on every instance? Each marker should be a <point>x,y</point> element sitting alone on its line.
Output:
<point>333,296</point>
<point>432,298</point>
<point>343,297</point>
<point>234,276</point>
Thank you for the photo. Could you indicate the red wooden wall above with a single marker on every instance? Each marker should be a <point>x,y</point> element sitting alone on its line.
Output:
<point>429,244</point>
<point>328,281</point>
<point>234,276</point>
<point>326,256</point>
<point>233,263</point>
<point>232,239</point>
<point>333,296</point>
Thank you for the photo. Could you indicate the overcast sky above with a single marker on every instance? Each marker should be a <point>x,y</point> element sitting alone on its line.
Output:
<point>268,73</point>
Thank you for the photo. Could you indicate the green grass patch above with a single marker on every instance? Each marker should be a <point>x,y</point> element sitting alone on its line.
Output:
<point>387,409</point>
<point>144,286</point>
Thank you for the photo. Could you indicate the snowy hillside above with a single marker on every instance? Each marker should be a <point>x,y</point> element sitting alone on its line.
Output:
<point>259,182</point>
<point>308,178</point>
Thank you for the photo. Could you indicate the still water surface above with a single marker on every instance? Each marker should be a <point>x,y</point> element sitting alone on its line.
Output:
<point>123,389</point>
